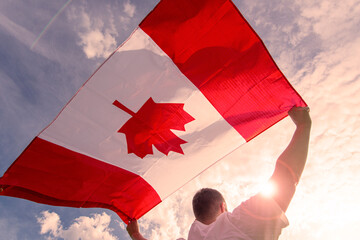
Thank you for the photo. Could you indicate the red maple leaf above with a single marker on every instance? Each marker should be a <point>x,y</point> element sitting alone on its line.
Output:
<point>151,126</point>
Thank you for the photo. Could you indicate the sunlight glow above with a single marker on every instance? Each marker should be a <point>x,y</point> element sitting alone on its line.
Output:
<point>268,189</point>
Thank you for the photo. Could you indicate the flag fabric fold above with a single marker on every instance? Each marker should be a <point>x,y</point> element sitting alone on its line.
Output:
<point>191,84</point>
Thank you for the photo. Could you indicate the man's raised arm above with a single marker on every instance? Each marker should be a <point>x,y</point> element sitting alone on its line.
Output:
<point>291,162</point>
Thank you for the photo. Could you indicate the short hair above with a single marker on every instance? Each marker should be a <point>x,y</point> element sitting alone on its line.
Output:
<point>206,203</point>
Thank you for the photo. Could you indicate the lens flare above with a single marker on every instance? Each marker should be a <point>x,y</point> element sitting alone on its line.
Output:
<point>49,23</point>
<point>268,189</point>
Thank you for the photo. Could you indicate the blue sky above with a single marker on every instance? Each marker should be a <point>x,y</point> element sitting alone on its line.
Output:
<point>316,45</point>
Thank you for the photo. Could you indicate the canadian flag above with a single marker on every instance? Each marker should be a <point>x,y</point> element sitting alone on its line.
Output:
<point>191,84</point>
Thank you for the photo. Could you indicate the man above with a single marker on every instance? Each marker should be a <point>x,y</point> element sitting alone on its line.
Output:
<point>259,217</point>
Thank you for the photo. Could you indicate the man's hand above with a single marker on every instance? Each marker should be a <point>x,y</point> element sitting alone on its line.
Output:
<point>300,116</point>
<point>133,230</point>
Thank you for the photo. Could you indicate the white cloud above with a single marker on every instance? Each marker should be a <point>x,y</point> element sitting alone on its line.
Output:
<point>125,19</point>
<point>99,30</point>
<point>329,20</point>
<point>169,220</point>
<point>85,228</point>
<point>129,8</point>
<point>50,223</point>
<point>97,37</point>
<point>97,44</point>
<point>121,225</point>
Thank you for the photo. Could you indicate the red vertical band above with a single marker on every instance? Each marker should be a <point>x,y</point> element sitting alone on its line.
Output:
<point>218,51</point>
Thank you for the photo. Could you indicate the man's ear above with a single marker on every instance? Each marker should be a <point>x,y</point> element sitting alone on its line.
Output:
<point>223,207</point>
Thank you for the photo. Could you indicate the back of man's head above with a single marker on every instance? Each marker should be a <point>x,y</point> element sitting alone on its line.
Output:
<point>206,204</point>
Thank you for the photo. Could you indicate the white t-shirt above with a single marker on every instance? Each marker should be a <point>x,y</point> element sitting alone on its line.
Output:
<point>258,218</point>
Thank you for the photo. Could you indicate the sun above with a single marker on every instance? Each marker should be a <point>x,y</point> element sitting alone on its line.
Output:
<point>268,189</point>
